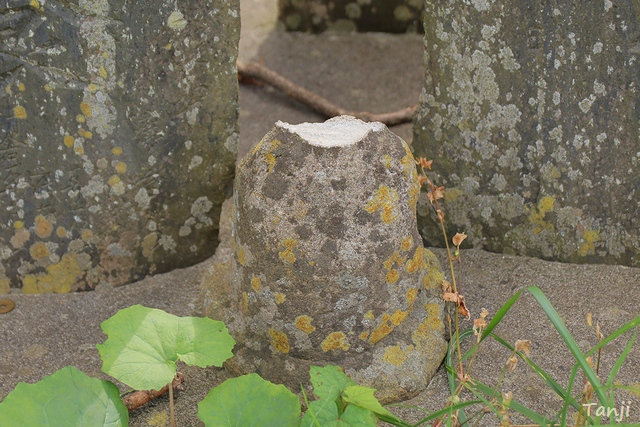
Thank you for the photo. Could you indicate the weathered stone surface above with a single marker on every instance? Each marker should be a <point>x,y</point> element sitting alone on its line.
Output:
<point>391,16</point>
<point>530,112</point>
<point>326,263</point>
<point>118,138</point>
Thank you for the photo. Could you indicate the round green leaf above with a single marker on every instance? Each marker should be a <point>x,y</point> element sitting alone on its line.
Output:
<point>144,344</point>
<point>329,382</point>
<point>69,397</point>
<point>250,401</point>
<point>327,414</point>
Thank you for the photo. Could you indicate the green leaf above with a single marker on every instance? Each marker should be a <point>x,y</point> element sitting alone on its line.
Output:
<point>326,412</point>
<point>144,344</point>
<point>68,397</point>
<point>363,397</point>
<point>250,401</point>
<point>329,382</point>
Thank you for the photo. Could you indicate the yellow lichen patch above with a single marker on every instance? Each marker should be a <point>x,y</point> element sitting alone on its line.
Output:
<point>417,262</point>
<point>392,276</point>
<point>398,317</point>
<point>279,341</point>
<point>241,258</point>
<point>411,296</point>
<point>148,244</point>
<point>385,317</point>
<point>275,144</point>
<point>385,200</point>
<point>61,232</point>
<point>304,324</point>
<point>407,243</point>
<point>380,331</point>
<point>103,72</point>
<point>369,315</point>
<point>86,235</point>
<point>121,167</point>
<point>21,87</point>
<point>270,159</point>
<point>452,194</point>
<point>408,163</point>
<point>38,251</point>
<point>588,247</point>
<point>68,140</point>
<point>364,336</point>
<point>386,160</point>
<point>334,341</point>
<point>280,298</point>
<point>43,227</point>
<point>117,151</point>
<point>113,180</point>
<point>80,118</point>
<point>159,419</point>
<point>429,330</point>
<point>19,112</point>
<point>78,148</point>
<point>245,302</point>
<point>92,88</point>
<point>287,255</point>
<point>60,277</point>
<point>4,285</point>
<point>393,259</point>
<point>86,109</point>
<point>394,355</point>
<point>19,238</point>
<point>434,277</point>
<point>536,217</point>
<point>255,284</point>
<point>18,224</point>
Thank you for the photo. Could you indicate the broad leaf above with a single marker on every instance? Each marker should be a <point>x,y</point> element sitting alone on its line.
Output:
<point>249,401</point>
<point>329,382</point>
<point>363,397</point>
<point>68,397</point>
<point>326,413</point>
<point>144,344</point>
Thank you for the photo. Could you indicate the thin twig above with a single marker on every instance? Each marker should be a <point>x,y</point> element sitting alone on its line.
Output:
<point>315,101</point>
<point>140,397</point>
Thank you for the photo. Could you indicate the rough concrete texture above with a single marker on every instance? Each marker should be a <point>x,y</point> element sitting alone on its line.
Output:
<point>530,112</point>
<point>328,264</point>
<point>391,16</point>
<point>118,139</point>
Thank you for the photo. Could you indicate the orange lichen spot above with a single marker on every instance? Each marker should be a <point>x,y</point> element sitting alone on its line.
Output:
<point>241,257</point>
<point>103,72</point>
<point>407,243</point>
<point>279,341</point>
<point>21,87</point>
<point>279,297</point>
<point>394,355</point>
<point>364,336</point>
<point>245,302</point>
<point>393,259</point>
<point>116,151</point>
<point>398,317</point>
<point>121,167</point>
<point>428,332</point>
<point>43,227</point>
<point>255,284</point>
<point>59,277</point>
<point>19,112</point>
<point>384,200</point>
<point>113,180</point>
<point>68,140</point>
<point>304,324</point>
<point>61,232</point>
<point>334,341</point>
<point>392,276</point>
<point>411,296</point>
<point>369,315</point>
<point>417,262</point>
<point>287,255</point>
<point>380,331</point>
<point>385,317</point>
<point>86,235</point>
<point>39,250</point>
<point>18,224</point>
<point>80,118</point>
<point>86,109</point>
<point>270,159</point>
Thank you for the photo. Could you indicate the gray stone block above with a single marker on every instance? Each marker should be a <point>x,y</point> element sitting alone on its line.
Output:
<point>326,264</point>
<point>118,138</point>
<point>530,113</point>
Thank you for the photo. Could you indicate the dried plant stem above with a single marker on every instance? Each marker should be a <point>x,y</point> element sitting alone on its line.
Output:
<point>140,397</point>
<point>315,101</point>
<point>171,411</point>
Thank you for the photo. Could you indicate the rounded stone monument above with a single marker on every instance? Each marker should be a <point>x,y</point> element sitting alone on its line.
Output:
<point>326,264</point>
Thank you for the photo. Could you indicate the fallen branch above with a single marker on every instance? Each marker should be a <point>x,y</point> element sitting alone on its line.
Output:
<point>253,70</point>
<point>140,397</point>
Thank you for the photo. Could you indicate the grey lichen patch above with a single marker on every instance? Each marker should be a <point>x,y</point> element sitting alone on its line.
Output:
<point>521,115</point>
<point>95,161</point>
<point>330,268</point>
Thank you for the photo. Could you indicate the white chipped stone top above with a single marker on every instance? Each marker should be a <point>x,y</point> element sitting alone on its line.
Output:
<point>336,132</point>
